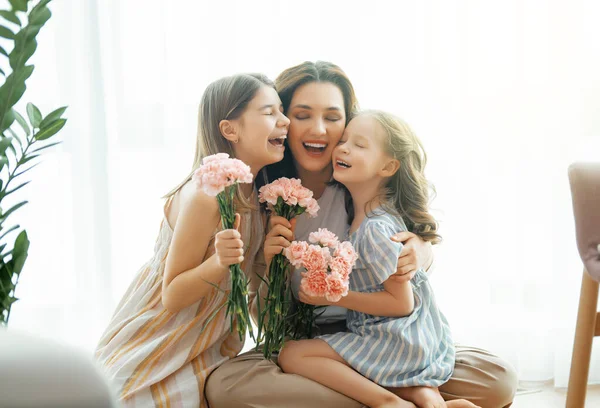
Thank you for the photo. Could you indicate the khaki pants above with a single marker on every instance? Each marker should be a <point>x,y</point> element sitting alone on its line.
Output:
<point>250,381</point>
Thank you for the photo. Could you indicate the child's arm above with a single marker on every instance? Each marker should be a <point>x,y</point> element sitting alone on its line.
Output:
<point>186,277</point>
<point>397,300</point>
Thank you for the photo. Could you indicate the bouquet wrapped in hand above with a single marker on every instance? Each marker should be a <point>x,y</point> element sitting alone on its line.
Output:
<point>219,176</point>
<point>328,265</point>
<point>286,198</point>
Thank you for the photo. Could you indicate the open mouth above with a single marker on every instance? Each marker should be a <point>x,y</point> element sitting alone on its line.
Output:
<point>342,164</point>
<point>315,147</point>
<point>278,141</point>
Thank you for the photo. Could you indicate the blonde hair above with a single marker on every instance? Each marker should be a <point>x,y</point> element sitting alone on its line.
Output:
<point>224,99</point>
<point>407,191</point>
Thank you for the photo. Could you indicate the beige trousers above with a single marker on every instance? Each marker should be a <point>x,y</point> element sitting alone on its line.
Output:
<point>250,381</point>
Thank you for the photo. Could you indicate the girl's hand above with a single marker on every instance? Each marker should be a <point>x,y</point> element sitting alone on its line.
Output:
<point>416,254</point>
<point>313,300</point>
<point>279,237</point>
<point>229,247</point>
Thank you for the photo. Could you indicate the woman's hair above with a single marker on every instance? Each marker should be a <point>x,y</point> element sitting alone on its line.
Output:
<point>224,99</point>
<point>407,191</point>
<point>286,85</point>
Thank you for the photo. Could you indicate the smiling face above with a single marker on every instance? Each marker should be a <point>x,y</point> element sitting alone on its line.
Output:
<point>261,130</point>
<point>317,121</point>
<point>360,156</point>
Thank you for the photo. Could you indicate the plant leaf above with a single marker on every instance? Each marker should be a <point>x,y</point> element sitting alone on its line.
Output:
<point>8,120</point>
<point>6,233</point>
<point>19,5</point>
<point>4,143</point>
<point>16,188</point>
<point>12,210</point>
<point>3,52</point>
<point>45,147</point>
<point>24,171</point>
<point>20,252</point>
<point>6,33</point>
<point>2,72</point>
<point>52,116</point>
<point>10,16</point>
<point>28,158</point>
<point>3,162</point>
<point>35,116</point>
<point>21,120</point>
<point>50,130</point>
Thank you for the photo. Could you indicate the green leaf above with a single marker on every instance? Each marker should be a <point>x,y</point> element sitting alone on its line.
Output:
<point>3,52</point>
<point>11,229</point>
<point>2,72</point>
<point>3,162</point>
<point>35,116</point>
<point>8,301</point>
<point>4,143</point>
<point>50,130</point>
<point>12,210</point>
<point>10,16</point>
<point>45,147</point>
<point>39,14</point>
<point>28,158</point>
<point>24,171</point>
<point>52,116</point>
<point>6,33</point>
<point>20,252</point>
<point>21,120</point>
<point>19,5</point>
<point>16,188</point>
<point>8,120</point>
<point>22,54</point>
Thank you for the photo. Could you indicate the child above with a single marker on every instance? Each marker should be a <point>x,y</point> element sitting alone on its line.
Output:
<point>170,330</point>
<point>397,338</point>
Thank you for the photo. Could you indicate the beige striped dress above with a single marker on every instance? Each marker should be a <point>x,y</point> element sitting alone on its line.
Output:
<point>155,358</point>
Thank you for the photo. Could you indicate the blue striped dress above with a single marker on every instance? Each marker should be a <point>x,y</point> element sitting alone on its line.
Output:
<point>393,352</point>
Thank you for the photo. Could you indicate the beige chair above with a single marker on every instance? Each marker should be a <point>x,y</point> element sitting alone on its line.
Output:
<point>585,191</point>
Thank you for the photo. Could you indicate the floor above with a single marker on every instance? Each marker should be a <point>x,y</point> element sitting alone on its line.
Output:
<point>548,397</point>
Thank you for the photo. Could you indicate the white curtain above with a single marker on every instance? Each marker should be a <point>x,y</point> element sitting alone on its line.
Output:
<point>503,94</point>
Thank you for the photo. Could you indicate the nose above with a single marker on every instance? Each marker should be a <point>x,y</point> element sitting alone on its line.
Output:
<point>319,128</point>
<point>343,148</point>
<point>283,121</point>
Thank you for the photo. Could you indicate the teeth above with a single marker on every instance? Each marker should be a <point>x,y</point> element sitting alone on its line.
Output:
<point>316,145</point>
<point>279,138</point>
<point>343,163</point>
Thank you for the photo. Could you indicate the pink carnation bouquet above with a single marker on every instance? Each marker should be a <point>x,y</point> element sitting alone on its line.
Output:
<point>286,198</point>
<point>218,176</point>
<point>328,265</point>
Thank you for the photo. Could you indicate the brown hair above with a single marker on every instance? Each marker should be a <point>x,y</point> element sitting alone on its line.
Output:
<point>286,85</point>
<point>224,99</point>
<point>407,191</point>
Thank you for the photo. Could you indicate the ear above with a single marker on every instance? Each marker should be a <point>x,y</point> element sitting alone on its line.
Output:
<point>389,168</point>
<point>229,130</point>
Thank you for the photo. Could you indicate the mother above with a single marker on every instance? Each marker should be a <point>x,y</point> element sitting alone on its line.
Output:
<point>319,99</point>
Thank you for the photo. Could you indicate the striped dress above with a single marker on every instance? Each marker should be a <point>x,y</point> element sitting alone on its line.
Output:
<point>155,358</point>
<point>393,352</point>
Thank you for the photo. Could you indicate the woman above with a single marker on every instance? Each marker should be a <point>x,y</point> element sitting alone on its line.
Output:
<point>319,100</point>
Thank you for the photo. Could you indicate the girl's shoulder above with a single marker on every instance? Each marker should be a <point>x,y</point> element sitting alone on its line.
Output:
<point>384,221</point>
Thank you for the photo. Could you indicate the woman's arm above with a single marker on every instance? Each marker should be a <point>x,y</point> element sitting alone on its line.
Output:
<point>187,279</point>
<point>416,254</point>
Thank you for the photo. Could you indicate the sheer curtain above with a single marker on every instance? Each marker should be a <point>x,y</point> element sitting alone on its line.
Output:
<point>503,95</point>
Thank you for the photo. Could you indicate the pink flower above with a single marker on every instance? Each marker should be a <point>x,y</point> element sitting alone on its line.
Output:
<point>340,266</point>
<point>337,287</point>
<point>346,251</point>
<point>314,283</point>
<point>218,171</point>
<point>324,237</point>
<point>295,252</point>
<point>312,207</point>
<point>316,258</point>
<point>291,192</point>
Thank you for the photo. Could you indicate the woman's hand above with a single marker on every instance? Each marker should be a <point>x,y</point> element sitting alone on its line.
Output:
<point>229,247</point>
<point>279,237</point>
<point>313,300</point>
<point>416,254</point>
